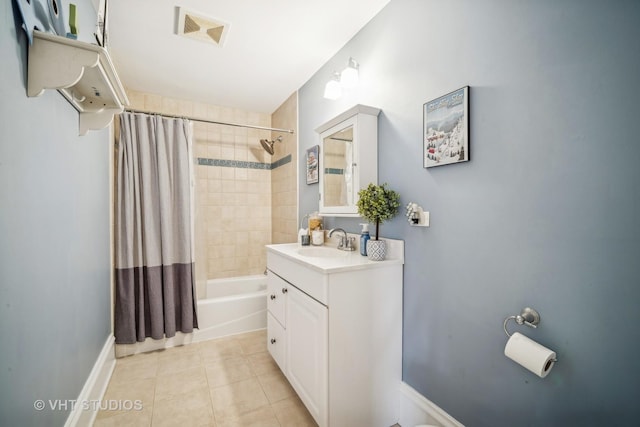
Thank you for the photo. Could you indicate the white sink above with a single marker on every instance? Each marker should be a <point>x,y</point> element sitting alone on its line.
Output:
<point>322,252</point>
<point>329,259</point>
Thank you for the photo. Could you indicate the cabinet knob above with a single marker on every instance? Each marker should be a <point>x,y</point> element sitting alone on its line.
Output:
<point>273,296</point>
<point>273,340</point>
<point>285,290</point>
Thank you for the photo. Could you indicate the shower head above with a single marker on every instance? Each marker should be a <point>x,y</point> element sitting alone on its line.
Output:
<point>268,145</point>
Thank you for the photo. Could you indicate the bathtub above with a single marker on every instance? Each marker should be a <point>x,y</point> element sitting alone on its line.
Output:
<point>232,306</point>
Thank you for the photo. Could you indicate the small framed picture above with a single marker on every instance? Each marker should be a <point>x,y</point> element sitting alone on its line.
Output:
<point>101,24</point>
<point>446,129</point>
<point>313,164</point>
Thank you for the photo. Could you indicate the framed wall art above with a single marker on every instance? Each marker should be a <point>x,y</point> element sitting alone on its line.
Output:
<point>312,163</point>
<point>446,129</point>
<point>101,33</point>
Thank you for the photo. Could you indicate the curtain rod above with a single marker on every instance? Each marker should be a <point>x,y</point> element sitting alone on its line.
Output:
<point>131,110</point>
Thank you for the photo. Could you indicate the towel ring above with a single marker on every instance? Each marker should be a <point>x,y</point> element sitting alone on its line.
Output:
<point>528,317</point>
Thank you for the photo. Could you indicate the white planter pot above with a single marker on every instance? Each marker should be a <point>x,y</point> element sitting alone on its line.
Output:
<point>376,250</point>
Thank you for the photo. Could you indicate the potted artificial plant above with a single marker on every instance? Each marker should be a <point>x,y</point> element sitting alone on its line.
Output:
<point>377,204</point>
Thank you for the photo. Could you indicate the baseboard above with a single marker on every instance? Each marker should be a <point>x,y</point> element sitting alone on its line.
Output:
<point>416,409</point>
<point>94,387</point>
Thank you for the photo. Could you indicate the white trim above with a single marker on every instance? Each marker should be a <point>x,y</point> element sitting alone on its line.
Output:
<point>356,109</point>
<point>94,387</point>
<point>112,225</point>
<point>416,409</point>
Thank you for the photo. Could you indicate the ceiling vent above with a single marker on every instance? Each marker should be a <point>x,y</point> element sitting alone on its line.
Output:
<point>200,27</point>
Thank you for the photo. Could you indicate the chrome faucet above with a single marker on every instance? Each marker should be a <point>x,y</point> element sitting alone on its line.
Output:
<point>346,243</point>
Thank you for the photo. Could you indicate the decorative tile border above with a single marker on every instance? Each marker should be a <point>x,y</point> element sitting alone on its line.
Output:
<point>233,163</point>
<point>333,171</point>
<point>283,161</point>
<point>241,164</point>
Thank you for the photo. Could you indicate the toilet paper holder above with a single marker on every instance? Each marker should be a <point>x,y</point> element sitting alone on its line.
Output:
<point>528,317</point>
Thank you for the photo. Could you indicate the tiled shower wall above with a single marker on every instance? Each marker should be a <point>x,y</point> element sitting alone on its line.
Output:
<point>284,182</point>
<point>234,185</point>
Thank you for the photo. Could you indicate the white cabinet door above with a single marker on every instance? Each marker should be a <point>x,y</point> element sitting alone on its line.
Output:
<point>276,341</point>
<point>307,352</point>
<point>276,297</point>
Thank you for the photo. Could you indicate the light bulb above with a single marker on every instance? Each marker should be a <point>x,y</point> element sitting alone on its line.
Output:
<point>332,89</point>
<point>349,76</point>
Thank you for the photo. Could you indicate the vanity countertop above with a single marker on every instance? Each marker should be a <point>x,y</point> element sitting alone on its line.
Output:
<point>328,259</point>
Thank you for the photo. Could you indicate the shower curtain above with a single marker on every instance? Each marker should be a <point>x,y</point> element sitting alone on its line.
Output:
<point>154,256</point>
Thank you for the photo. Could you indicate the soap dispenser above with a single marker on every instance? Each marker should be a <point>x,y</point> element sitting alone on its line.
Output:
<point>303,237</point>
<point>364,238</point>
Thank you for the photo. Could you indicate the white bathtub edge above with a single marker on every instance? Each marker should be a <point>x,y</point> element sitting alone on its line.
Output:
<point>253,320</point>
<point>216,325</point>
<point>416,409</point>
<point>212,334</point>
<point>95,386</point>
<point>212,286</point>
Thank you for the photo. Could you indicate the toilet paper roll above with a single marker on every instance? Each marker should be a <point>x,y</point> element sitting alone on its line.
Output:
<point>528,353</point>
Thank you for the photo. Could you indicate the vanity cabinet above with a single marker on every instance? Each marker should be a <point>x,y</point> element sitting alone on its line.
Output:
<point>297,340</point>
<point>341,330</point>
<point>277,290</point>
<point>307,351</point>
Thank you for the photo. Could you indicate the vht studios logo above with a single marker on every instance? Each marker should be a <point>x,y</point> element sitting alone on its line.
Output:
<point>88,405</point>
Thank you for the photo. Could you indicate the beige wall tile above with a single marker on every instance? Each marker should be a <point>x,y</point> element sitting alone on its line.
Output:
<point>239,210</point>
<point>284,178</point>
<point>136,100</point>
<point>153,103</point>
<point>170,106</point>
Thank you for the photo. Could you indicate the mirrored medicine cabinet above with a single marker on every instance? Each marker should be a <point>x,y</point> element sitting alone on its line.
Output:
<point>348,159</point>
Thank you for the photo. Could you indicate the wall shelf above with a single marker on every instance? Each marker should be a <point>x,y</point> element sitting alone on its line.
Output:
<point>83,73</point>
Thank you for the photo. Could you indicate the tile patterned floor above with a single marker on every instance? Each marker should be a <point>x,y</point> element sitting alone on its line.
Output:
<point>228,382</point>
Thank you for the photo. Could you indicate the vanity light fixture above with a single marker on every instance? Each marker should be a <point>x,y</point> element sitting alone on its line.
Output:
<point>349,76</point>
<point>347,79</point>
<point>332,89</point>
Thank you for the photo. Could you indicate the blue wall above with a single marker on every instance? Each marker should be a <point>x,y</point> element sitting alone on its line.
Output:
<point>54,239</point>
<point>544,215</point>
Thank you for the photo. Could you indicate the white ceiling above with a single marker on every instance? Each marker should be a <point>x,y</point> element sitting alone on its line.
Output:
<point>273,47</point>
